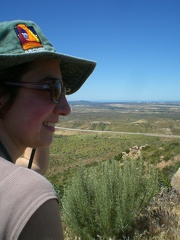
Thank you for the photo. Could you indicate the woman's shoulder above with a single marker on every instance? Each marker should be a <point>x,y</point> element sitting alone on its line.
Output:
<point>9,170</point>
<point>21,178</point>
<point>23,192</point>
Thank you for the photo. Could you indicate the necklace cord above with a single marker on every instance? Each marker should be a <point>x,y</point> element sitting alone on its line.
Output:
<point>31,158</point>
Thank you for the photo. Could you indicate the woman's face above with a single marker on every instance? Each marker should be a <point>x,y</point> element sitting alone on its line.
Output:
<point>30,122</point>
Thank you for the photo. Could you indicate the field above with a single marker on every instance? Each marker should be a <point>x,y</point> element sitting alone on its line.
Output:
<point>126,117</point>
<point>96,132</point>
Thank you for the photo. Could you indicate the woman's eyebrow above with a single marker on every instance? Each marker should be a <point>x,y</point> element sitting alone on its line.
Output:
<point>50,79</point>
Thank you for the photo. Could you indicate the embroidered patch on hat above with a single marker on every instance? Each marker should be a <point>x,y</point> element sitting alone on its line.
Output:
<point>28,37</point>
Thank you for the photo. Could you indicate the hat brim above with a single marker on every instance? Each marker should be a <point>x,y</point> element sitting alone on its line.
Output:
<point>74,70</point>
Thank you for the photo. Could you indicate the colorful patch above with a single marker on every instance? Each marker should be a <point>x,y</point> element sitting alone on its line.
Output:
<point>28,37</point>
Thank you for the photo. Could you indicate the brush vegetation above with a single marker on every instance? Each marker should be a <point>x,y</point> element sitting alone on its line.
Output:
<point>158,218</point>
<point>105,201</point>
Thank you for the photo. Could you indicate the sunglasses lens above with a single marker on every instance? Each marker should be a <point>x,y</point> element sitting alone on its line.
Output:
<point>57,90</point>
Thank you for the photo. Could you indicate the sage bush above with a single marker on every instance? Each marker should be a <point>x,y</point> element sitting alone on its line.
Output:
<point>104,201</point>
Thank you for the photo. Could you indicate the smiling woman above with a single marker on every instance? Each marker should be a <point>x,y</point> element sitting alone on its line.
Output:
<point>40,113</point>
<point>34,81</point>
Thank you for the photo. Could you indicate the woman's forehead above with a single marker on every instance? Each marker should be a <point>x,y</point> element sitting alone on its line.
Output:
<point>44,70</point>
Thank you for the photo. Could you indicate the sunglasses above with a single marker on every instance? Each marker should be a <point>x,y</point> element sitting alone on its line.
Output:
<point>56,88</point>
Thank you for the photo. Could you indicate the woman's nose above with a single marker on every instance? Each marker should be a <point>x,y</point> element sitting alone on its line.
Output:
<point>63,107</point>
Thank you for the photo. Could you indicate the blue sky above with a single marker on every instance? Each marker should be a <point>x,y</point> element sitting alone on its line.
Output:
<point>136,43</point>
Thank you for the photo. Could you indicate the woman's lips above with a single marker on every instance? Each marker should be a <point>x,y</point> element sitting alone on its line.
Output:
<point>49,125</point>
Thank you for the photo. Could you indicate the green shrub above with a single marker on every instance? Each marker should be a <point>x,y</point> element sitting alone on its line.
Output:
<point>118,157</point>
<point>165,175</point>
<point>104,201</point>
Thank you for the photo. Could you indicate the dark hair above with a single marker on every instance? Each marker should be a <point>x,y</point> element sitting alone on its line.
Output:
<point>11,74</point>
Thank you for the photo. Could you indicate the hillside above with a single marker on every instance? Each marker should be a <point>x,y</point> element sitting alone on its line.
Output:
<point>114,129</point>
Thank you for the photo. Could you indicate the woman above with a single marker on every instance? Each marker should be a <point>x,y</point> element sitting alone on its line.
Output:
<point>34,80</point>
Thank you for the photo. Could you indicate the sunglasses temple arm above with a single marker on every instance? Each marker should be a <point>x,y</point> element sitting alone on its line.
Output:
<point>31,158</point>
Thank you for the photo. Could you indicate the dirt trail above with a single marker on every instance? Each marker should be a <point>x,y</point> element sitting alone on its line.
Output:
<point>116,132</point>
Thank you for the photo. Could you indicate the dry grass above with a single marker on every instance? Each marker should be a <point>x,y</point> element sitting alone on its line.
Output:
<point>162,217</point>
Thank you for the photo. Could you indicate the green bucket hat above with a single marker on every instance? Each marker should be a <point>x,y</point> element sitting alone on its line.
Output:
<point>23,41</point>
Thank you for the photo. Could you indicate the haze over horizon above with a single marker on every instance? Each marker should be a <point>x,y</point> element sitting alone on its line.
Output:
<point>126,101</point>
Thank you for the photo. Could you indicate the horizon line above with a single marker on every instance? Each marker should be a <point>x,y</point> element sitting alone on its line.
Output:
<point>151,101</point>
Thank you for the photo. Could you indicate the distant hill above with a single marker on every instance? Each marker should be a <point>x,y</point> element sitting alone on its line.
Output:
<point>98,103</point>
